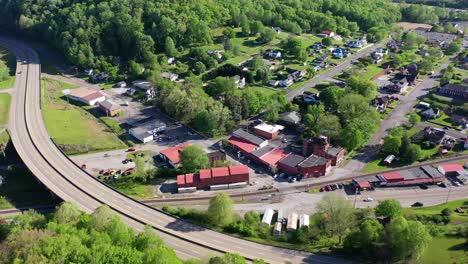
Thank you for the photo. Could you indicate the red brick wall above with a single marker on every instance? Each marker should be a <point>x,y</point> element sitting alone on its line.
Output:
<point>315,171</point>
<point>288,169</point>
<point>265,134</point>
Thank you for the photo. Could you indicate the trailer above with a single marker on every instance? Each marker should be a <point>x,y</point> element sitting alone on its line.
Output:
<point>219,187</point>
<point>292,222</point>
<point>237,185</point>
<point>278,228</point>
<point>303,220</point>
<point>187,190</point>
<point>268,216</point>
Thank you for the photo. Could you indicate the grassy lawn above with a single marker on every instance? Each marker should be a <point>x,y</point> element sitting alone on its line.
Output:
<point>443,120</point>
<point>445,250</point>
<point>143,161</point>
<point>371,70</point>
<point>10,61</point>
<point>72,127</point>
<point>21,189</point>
<point>114,125</point>
<point>264,90</point>
<point>4,137</point>
<point>5,108</point>
<point>436,209</point>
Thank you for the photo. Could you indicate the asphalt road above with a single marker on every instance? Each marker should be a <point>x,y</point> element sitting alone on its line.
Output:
<point>69,182</point>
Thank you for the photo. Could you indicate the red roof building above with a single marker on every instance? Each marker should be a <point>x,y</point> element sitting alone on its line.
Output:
<point>272,158</point>
<point>172,154</point>
<point>449,169</point>
<point>86,96</point>
<point>242,145</point>
<point>393,176</point>
<point>215,176</point>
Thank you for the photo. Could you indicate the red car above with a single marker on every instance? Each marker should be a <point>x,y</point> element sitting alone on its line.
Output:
<point>83,166</point>
<point>131,150</point>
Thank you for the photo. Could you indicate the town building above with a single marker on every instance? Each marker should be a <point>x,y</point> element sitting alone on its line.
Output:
<point>239,81</point>
<point>320,146</point>
<point>459,119</point>
<point>268,131</point>
<point>109,108</point>
<point>172,154</point>
<point>314,166</point>
<point>86,96</point>
<point>207,178</point>
<point>434,135</point>
<point>431,113</point>
<point>147,131</point>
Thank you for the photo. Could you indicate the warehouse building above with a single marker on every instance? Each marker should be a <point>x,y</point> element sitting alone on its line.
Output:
<point>85,95</point>
<point>232,177</point>
<point>172,154</point>
<point>146,132</point>
<point>267,130</point>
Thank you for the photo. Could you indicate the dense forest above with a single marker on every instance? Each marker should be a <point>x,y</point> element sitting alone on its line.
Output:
<point>71,236</point>
<point>441,3</point>
<point>93,33</point>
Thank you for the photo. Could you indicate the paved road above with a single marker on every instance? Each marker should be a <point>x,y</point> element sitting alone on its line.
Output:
<point>396,118</point>
<point>69,182</point>
<point>323,77</point>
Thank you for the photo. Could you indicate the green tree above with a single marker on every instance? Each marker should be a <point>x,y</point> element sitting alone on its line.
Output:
<point>390,207</point>
<point>193,158</point>
<point>353,106</point>
<point>170,48</point>
<point>329,125</point>
<point>331,95</point>
<point>408,239</point>
<point>364,240</point>
<point>454,47</point>
<point>391,145</point>
<point>199,68</point>
<point>220,210</point>
<point>67,213</point>
<point>414,119</point>
<point>327,41</point>
<point>267,35</point>
<point>352,138</point>
<point>220,85</point>
<point>412,153</point>
<point>338,213</point>
<point>135,70</point>
<point>366,88</point>
<point>4,71</point>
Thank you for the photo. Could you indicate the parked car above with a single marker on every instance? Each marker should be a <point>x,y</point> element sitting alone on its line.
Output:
<point>423,186</point>
<point>368,199</point>
<point>131,149</point>
<point>417,204</point>
<point>329,189</point>
<point>442,184</point>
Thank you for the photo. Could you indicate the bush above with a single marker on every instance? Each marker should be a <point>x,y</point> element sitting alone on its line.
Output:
<point>446,212</point>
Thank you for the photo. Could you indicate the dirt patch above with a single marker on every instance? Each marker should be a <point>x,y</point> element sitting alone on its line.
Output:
<point>412,26</point>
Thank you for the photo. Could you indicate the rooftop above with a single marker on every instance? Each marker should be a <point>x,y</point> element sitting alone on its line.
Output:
<point>269,128</point>
<point>242,134</point>
<point>393,176</point>
<point>290,117</point>
<point>85,93</point>
<point>292,160</point>
<point>238,170</point>
<point>173,153</point>
<point>205,174</point>
<point>263,151</point>
<point>242,144</point>
<point>451,167</point>
<point>220,172</point>
<point>109,105</point>
<point>313,160</point>
<point>274,156</point>
<point>334,151</point>
<point>148,128</point>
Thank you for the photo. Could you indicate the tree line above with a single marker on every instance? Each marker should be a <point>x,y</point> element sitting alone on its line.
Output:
<point>106,34</point>
<point>70,236</point>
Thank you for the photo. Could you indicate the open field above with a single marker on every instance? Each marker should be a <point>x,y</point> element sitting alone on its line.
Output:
<point>72,127</point>
<point>10,61</point>
<point>444,250</point>
<point>4,108</point>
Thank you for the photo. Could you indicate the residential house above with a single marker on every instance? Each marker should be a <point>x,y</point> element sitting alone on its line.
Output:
<point>142,85</point>
<point>86,96</point>
<point>170,76</point>
<point>147,131</point>
<point>448,143</point>
<point>286,82</point>
<point>455,90</point>
<point>100,77</point>
<point>399,84</point>
<point>382,102</point>
<point>320,146</point>
<point>394,46</point>
<point>171,60</point>
<point>274,54</point>
<point>110,108</point>
<point>431,113</point>
<point>172,154</point>
<point>239,81</point>
<point>328,33</point>
<point>354,44</point>
<point>217,54</point>
<point>274,83</point>
<point>460,119</point>
<point>442,40</point>
<point>317,46</point>
<point>298,75</point>
<point>434,135</point>
<point>290,118</point>
<point>311,98</point>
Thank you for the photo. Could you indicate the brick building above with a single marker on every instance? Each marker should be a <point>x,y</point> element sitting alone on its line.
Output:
<point>214,176</point>
<point>321,147</point>
<point>172,154</point>
<point>268,131</point>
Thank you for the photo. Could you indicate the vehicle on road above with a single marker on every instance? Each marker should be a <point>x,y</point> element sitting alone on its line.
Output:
<point>83,166</point>
<point>423,186</point>
<point>131,149</point>
<point>368,199</point>
<point>417,204</point>
<point>442,184</point>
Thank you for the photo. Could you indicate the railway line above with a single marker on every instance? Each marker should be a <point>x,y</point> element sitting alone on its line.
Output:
<point>70,183</point>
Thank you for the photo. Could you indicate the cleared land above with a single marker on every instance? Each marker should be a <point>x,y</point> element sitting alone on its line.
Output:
<point>72,127</point>
<point>4,108</point>
<point>10,60</point>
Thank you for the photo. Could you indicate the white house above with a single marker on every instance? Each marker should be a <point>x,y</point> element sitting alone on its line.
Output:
<point>274,54</point>
<point>286,82</point>
<point>240,81</point>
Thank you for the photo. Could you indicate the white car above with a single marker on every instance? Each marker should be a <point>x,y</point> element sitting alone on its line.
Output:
<point>368,199</point>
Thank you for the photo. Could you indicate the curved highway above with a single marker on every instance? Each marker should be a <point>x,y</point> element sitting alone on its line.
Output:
<point>56,171</point>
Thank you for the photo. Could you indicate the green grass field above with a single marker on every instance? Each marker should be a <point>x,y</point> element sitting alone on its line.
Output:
<point>4,137</point>
<point>21,189</point>
<point>445,250</point>
<point>5,100</point>
<point>72,127</point>
<point>10,61</point>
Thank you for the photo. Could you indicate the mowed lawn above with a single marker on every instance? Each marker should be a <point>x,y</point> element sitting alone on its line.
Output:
<point>4,107</point>
<point>72,127</point>
<point>446,250</point>
<point>10,61</point>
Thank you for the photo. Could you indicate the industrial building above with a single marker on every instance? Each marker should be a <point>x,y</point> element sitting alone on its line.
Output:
<point>85,95</point>
<point>146,132</point>
<point>172,154</point>
<point>267,130</point>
